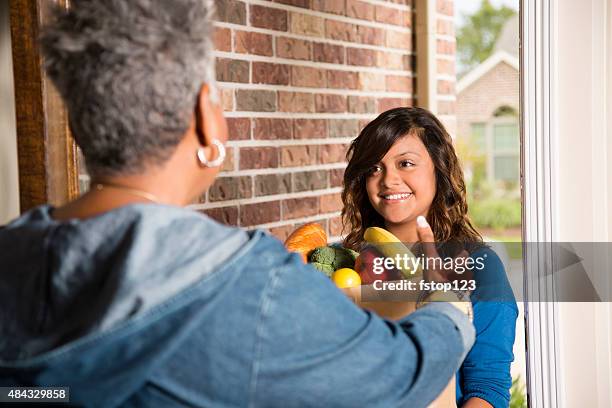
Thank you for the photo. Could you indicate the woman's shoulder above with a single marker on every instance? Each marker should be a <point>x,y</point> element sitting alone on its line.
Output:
<point>487,255</point>
<point>490,275</point>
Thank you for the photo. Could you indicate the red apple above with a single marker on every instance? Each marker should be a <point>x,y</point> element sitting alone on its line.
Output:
<point>364,265</point>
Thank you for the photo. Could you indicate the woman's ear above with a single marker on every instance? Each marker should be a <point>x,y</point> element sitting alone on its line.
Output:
<point>210,123</point>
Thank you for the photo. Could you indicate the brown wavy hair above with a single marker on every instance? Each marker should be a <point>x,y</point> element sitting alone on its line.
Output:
<point>448,212</point>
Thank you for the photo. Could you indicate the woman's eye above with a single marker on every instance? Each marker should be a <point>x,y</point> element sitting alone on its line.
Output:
<point>374,170</point>
<point>406,163</point>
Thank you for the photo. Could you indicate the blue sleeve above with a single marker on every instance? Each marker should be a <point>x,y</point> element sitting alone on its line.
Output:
<point>317,348</point>
<point>485,373</point>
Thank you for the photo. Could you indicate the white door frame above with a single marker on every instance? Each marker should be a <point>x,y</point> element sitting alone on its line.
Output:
<point>538,172</point>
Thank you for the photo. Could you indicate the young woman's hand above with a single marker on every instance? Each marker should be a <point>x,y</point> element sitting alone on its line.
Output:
<point>426,236</point>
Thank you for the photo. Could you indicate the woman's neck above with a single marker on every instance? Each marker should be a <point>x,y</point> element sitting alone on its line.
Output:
<point>109,193</point>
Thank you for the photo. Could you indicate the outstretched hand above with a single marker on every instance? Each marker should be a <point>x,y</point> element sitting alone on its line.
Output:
<point>436,274</point>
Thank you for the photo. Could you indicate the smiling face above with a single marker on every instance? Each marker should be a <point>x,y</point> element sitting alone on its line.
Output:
<point>402,185</point>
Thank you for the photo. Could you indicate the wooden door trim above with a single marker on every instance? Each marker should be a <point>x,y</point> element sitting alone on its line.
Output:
<point>47,157</point>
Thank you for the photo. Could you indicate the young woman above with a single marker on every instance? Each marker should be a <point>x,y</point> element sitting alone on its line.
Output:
<point>403,167</point>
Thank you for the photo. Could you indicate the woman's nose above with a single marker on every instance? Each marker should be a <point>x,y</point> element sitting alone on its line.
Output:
<point>390,178</point>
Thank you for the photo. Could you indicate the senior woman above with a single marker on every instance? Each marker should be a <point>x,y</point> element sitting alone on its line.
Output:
<point>130,299</point>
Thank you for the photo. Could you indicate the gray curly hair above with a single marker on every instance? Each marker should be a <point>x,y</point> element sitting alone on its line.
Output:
<point>129,73</point>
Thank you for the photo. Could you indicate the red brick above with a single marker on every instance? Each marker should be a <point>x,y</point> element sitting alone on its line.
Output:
<point>330,203</point>
<point>392,60</point>
<point>384,104</point>
<point>230,188</point>
<point>446,87</point>
<point>296,102</point>
<point>309,180</point>
<point>231,70</point>
<point>447,107</point>
<point>309,128</point>
<point>223,39</point>
<point>339,30</point>
<point>227,99</point>
<point>272,74</point>
<point>270,18</point>
<point>239,128</point>
<point>293,48</point>
<point>327,6</point>
<point>361,57</point>
<point>294,156</point>
<point>336,177</point>
<point>306,24</point>
<point>308,77</point>
<point>258,158</point>
<point>231,11</point>
<point>253,43</point>
<point>300,207</point>
<point>260,213</point>
<point>343,127</point>
<point>255,100</point>
<point>336,227</point>
<point>370,35</point>
<point>445,66</point>
<point>445,27</point>
<point>361,104</point>
<point>270,184</point>
<point>267,129</point>
<point>370,81</point>
<point>397,83</point>
<point>334,54</point>
<point>342,79</point>
<point>359,9</point>
<point>407,19</point>
<point>296,3</point>
<point>445,7</point>
<point>228,163</point>
<point>445,47</point>
<point>329,103</point>
<point>283,232</point>
<point>224,215</point>
<point>397,39</point>
<point>332,153</point>
<point>389,15</point>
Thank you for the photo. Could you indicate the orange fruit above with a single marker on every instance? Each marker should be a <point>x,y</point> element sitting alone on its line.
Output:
<point>346,278</point>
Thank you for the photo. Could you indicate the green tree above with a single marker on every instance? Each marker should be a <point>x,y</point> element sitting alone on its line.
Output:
<point>477,36</point>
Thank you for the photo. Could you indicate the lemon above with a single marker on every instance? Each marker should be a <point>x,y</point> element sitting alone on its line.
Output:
<point>346,278</point>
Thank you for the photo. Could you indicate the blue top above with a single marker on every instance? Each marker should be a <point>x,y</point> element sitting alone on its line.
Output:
<point>149,305</point>
<point>485,373</point>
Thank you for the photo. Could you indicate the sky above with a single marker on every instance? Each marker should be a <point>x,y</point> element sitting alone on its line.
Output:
<point>470,6</point>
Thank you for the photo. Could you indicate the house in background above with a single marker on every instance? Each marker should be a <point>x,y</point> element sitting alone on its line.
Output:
<point>488,108</point>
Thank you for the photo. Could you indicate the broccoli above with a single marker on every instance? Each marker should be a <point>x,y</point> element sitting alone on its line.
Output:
<point>326,269</point>
<point>331,258</point>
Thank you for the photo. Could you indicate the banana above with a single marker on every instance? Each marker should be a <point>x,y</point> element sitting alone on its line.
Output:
<point>390,246</point>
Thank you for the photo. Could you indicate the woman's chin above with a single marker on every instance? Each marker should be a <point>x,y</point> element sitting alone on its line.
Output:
<point>398,218</point>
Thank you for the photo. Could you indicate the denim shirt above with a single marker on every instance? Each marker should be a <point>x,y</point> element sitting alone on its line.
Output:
<point>150,305</point>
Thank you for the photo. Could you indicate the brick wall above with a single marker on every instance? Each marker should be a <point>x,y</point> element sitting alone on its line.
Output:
<point>445,77</point>
<point>299,79</point>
